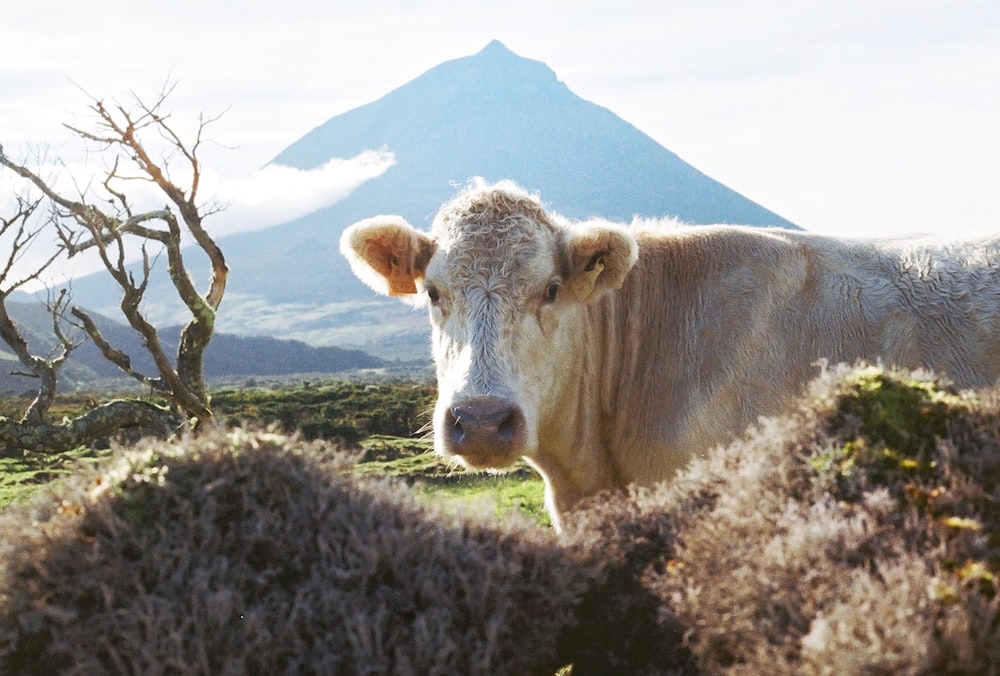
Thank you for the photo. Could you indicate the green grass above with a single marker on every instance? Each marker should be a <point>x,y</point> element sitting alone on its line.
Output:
<point>412,460</point>
<point>23,476</point>
<point>432,478</point>
<point>373,417</point>
<point>509,492</point>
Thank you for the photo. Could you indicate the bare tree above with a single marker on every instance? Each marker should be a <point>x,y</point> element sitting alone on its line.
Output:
<point>130,139</point>
<point>34,430</point>
<point>19,234</point>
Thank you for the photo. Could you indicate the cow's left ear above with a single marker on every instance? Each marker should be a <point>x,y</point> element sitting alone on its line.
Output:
<point>598,255</point>
<point>387,253</point>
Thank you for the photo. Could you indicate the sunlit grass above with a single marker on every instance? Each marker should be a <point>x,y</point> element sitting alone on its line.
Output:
<point>509,492</point>
<point>349,409</point>
<point>24,475</point>
<point>435,479</point>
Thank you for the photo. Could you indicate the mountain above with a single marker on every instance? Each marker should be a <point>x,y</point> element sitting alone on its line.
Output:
<point>493,114</point>
<point>498,115</point>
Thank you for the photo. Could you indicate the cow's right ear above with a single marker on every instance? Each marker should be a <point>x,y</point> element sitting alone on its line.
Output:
<point>387,253</point>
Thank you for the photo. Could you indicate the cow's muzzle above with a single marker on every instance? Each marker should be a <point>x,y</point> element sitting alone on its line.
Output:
<point>485,432</point>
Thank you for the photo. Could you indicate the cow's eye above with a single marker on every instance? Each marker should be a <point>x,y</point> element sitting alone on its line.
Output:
<point>551,291</point>
<point>432,294</point>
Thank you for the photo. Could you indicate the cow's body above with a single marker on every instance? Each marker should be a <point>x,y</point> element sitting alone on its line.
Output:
<point>607,355</point>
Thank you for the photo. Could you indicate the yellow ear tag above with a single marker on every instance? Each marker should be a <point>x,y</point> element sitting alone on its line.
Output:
<point>401,284</point>
<point>585,282</point>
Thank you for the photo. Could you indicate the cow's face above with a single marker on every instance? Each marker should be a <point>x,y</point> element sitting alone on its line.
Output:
<point>504,281</point>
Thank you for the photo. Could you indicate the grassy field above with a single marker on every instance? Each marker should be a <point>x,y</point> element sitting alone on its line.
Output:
<point>383,420</point>
<point>21,477</point>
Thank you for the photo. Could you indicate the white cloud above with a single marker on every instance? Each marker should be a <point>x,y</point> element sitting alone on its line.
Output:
<point>276,193</point>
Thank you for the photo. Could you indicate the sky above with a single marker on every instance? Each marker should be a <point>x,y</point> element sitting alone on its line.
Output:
<point>847,117</point>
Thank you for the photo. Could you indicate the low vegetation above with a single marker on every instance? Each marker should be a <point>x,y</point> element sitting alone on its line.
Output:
<point>348,411</point>
<point>387,420</point>
<point>390,422</point>
<point>859,534</point>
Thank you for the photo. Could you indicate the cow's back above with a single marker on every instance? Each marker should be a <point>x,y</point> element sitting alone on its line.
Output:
<point>719,326</point>
<point>930,304</point>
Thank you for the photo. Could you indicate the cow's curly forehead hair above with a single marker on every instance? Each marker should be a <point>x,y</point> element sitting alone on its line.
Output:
<point>502,209</point>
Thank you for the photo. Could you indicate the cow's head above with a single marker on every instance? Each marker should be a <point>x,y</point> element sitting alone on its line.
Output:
<point>506,283</point>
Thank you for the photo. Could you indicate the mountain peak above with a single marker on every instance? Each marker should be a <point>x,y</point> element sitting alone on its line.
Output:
<point>496,49</point>
<point>497,62</point>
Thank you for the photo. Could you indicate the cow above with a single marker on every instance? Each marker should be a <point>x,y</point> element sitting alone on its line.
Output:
<point>606,354</point>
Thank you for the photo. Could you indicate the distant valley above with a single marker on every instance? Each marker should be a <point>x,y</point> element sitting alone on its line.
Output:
<point>228,357</point>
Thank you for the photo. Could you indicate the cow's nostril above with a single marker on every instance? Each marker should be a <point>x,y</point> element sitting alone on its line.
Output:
<point>511,425</point>
<point>456,431</point>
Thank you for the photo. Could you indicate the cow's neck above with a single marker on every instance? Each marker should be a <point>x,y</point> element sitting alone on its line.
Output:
<point>575,455</point>
<point>623,414</point>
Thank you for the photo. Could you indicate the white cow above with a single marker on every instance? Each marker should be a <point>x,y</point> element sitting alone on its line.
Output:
<point>606,355</point>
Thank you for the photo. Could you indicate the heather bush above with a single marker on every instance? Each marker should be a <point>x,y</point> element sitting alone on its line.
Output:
<point>859,535</point>
<point>256,553</point>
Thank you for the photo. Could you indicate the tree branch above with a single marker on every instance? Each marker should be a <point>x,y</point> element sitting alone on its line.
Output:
<point>113,355</point>
<point>97,423</point>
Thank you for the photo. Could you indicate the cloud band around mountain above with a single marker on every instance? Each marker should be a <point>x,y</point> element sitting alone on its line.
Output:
<point>278,193</point>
